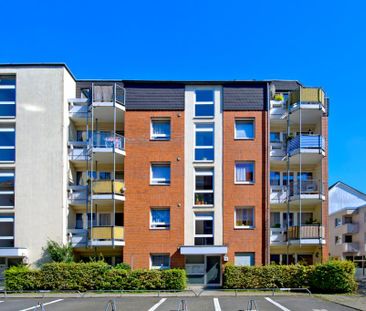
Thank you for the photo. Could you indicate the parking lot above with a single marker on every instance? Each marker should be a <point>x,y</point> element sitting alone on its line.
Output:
<point>259,303</point>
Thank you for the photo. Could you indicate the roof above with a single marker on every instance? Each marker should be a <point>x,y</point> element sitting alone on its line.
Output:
<point>344,184</point>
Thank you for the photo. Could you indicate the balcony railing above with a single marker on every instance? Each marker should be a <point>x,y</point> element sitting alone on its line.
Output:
<point>107,92</point>
<point>309,95</point>
<point>108,187</point>
<point>306,187</point>
<point>307,142</point>
<point>78,151</point>
<point>103,139</point>
<point>352,247</point>
<point>78,193</point>
<point>106,233</point>
<point>314,231</point>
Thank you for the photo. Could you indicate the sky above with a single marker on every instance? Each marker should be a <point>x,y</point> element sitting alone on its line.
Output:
<point>320,43</point>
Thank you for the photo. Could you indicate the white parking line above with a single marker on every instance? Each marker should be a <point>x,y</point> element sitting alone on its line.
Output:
<point>277,304</point>
<point>154,307</point>
<point>1,301</point>
<point>45,304</point>
<point>217,304</point>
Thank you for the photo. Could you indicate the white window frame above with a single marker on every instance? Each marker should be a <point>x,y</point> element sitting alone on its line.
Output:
<point>252,120</point>
<point>204,216</point>
<point>243,226</point>
<point>99,220</point>
<point>212,129</point>
<point>164,226</point>
<point>159,267</point>
<point>204,172</point>
<point>244,182</point>
<point>8,87</point>
<point>204,103</point>
<point>5,147</point>
<point>163,181</point>
<point>163,136</point>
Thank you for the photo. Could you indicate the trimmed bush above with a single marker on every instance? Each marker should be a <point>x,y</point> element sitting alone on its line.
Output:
<point>123,266</point>
<point>330,277</point>
<point>92,276</point>
<point>334,277</point>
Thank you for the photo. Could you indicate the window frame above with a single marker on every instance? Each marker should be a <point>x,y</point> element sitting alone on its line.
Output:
<point>252,258</point>
<point>252,120</point>
<point>209,171</point>
<point>167,226</point>
<point>202,103</point>
<point>202,216</point>
<point>236,208</point>
<point>160,138</point>
<point>8,147</point>
<point>160,267</point>
<point>244,182</point>
<point>161,164</point>
<point>207,147</point>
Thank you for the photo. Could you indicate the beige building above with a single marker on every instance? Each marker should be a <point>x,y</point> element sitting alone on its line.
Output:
<point>347,223</point>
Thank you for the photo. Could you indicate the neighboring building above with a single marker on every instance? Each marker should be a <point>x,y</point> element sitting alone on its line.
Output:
<point>347,223</point>
<point>159,174</point>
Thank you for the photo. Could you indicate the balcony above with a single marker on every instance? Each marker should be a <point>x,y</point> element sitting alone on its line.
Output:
<point>278,109</point>
<point>77,237</point>
<point>278,195</point>
<point>106,235</point>
<point>105,94</point>
<point>79,108</point>
<point>349,228</point>
<point>78,151</point>
<point>307,234</point>
<point>278,236</point>
<point>277,151</point>
<point>352,247</point>
<point>106,143</point>
<point>309,149</point>
<point>78,195</point>
<point>108,189</point>
<point>308,190</point>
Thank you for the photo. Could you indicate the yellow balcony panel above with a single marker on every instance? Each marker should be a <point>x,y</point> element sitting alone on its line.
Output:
<point>108,187</point>
<point>310,95</point>
<point>107,233</point>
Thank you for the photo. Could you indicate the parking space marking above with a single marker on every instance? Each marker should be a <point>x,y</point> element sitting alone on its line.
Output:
<point>154,307</point>
<point>45,304</point>
<point>217,304</point>
<point>277,304</point>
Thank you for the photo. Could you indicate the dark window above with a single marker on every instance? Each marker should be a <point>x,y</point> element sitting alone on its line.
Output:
<point>79,221</point>
<point>348,238</point>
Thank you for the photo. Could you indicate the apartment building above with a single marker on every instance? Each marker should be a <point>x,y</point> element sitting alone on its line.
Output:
<point>347,223</point>
<point>159,174</point>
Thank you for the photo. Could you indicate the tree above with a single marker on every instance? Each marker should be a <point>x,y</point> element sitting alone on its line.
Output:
<point>59,252</point>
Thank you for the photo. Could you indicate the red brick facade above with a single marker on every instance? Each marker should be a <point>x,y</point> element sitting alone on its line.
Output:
<point>234,195</point>
<point>141,241</point>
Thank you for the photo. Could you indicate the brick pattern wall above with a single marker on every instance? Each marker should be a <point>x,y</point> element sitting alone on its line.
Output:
<point>141,241</point>
<point>244,240</point>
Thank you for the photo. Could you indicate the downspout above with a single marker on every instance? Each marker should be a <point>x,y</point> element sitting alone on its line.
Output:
<point>266,178</point>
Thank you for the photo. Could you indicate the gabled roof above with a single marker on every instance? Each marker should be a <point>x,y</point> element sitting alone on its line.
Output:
<point>347,186</point>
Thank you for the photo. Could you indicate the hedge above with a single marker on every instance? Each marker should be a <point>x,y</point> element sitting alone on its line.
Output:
<point>330,277</point>
<point>91,276</point>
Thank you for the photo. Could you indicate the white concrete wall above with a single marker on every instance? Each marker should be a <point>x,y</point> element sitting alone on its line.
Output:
<point>341,196</point>
<point>41,156</point>
<point>189,173</point>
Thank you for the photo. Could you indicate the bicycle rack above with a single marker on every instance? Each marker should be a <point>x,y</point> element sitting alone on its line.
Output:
<point>111,306</point>
<point>182,306</point>
<point>251,306</point>
<point>39,306</point>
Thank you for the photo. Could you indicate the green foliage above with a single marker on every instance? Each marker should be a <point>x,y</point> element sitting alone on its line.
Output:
<point>92,276</point>
<point>330,277</point>
<point>59,252</point>
<point>278,97</point>
<point>334,277</point>
<point>123,266</point>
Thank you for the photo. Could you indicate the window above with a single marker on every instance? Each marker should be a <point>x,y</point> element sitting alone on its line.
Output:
<point>7,144</point>
<point>305,176</point>
<point>291,219</point>
<point>160,218</point>
<point>105,219</point>
<point>79,221</point>
<point>275,137</point>
<point>244,217</point>
<point>275,259</point>
<point>275,178</point>
<point>160,174</point>
<point>306,218</point>
<point>244,129</point>
<point>275,220</point>
<point>337,222</point>
<point>203,229</point>
<point>159,261</point>
<point>204,106</point>
<point>347,219</point>
<point>6,189</point>
<point>7,96</point>
<point>244,259</point>
<point>204,190</point>
<point>94,220</point>
<point>204,145</point>
<point>244,172</point>
<point>160,129</point>
<point>119,219</point>
<point>348,239</point>
<point>285,179</point>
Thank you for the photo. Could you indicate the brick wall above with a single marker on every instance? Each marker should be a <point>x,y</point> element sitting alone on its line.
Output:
<point>244,240</point>
<point>141,196</point>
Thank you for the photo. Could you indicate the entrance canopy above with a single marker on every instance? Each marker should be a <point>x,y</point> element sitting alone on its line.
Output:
<point>203,250</point>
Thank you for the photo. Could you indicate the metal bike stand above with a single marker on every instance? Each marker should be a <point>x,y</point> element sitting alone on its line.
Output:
<point>182,306</point>
<point>111,306</point>
<point>251,306</point>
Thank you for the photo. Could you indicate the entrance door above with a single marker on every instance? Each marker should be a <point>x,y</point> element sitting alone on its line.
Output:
<point>213,270</point>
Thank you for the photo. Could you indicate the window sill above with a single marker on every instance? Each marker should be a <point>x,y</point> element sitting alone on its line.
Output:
<point>203,117</point>
<point>203,161</point>
<point>159,229</point>
<point>248,139</point>
<point>159,139</point>
<point>159,184</point>
<point>244,183</point>
<point>203,205</point>
<point>244,228</point>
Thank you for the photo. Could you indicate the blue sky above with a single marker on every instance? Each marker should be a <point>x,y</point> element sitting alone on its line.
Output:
<point>320,43</point>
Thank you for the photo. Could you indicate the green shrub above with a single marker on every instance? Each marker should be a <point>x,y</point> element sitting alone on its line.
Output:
<point>123,266</point>
<point>333,277</point>
<point>59,252</point>
<point>19,278</point>
<point>92,276</point>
